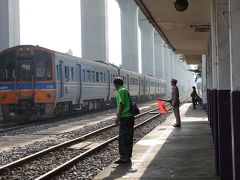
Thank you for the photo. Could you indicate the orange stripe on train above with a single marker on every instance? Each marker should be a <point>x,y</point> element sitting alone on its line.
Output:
<point>40,96</point>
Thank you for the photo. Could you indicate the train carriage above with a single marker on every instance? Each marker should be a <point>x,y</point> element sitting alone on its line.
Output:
<point>36,82</point>
<point>27,82</point>
<point>132,82</point>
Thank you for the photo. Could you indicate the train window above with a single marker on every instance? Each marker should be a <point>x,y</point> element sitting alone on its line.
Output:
<point>93,76</point>
<point>101,77</point>
<point>43,69</point>
<point>72,73</point>
<point>84,75</point>
<point>97,76</point>
<point>104,77</point>
<point>7,67</point>
<point>88,76</point>
<point>67,73</point>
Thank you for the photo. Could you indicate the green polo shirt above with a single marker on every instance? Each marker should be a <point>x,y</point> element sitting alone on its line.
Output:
<point>124,98</point>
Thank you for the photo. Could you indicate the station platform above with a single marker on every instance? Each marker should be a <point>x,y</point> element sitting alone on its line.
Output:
<point>169,153</point>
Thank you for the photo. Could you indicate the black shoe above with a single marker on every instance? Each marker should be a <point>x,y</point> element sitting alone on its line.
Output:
<point>120,161</point>
<point>177,125</point>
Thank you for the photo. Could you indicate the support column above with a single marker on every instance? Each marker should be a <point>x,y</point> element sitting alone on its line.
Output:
<point>177,69</point>
<point>158,55</point>
<point>213,91</point>
<point>9,24</point>
<point>204,81</point>
<point>169,65</point>
<point>129,34</point>
<point>172,65</point>
<point>147,45</point>
<point>223,90</point>
<point>163,60</point>
<point>94,30</point>
<point>235,85</point>
<point>166,69</point>
<point>175,66</point>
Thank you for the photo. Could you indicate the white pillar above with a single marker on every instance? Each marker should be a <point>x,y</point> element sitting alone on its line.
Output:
<point>223,52</point>
<point>163,60</point>
<point>158,55</point>
<point>204,80</point>
<point>129,34</point>
<point>166,69</point>
<point>214,45</point>
<point>147,44</point>
<point>94,30</point>
<point>9,24</point>
<point>172,65</point>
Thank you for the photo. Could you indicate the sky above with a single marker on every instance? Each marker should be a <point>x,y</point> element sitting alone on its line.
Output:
<point>56,25</point>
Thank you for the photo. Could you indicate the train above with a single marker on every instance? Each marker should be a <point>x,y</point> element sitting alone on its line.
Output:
<point>37,83</point>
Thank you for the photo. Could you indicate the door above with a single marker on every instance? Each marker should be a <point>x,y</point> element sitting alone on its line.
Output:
<point>61,79</point>
<point>26,77</point>
<point>80,82</point>
<point>108,81</point>
<point>139,86</point>
<point>128,81</point>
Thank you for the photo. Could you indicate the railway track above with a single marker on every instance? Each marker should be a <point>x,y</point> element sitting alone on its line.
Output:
<point>17,126</point>
<point>73,151</point>
<point>85,141</point>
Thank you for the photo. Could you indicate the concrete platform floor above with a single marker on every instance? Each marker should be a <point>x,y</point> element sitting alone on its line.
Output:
<point>169,153</point>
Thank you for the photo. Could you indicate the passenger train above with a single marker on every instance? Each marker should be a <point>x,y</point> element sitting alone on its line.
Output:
<point>36,83</point>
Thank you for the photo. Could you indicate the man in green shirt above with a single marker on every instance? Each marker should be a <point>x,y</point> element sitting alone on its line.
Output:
<point>125,120</point>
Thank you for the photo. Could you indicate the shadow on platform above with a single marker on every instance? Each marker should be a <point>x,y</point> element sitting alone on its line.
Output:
<point>169,153</point>
<point>120,170</point>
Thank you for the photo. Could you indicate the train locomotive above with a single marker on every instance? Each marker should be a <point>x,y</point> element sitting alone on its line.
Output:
<point>37,83</point>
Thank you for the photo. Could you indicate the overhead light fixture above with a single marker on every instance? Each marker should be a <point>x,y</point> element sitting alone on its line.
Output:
<point>181,5</point>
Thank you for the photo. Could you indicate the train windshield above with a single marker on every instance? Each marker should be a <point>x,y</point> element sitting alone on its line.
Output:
<point>43,65</point>
<point>7,66</point>
<point>25,69</point>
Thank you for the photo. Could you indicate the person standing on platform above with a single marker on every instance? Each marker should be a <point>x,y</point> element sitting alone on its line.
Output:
<point>194,96</point>
<point>175,102</point>
<point>125,120</point>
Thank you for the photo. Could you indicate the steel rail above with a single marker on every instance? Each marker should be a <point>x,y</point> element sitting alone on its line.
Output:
<point>67,143</point>
<point>78,158</point>
<point>4,129</point>
<point>54,172</point>
<point>70,142</point>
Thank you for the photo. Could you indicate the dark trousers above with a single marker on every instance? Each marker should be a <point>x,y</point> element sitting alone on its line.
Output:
<point>177,113</point>
<point>194,102</point>
<point>126,137</point>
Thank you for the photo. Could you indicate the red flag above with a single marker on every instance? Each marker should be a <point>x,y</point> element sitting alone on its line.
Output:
<point>161,106</point>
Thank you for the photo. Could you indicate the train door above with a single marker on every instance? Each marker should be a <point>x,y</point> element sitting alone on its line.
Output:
<point>128,82</point>
<point>26,77</point>
<point>139,86</point>
<point>61,79</point>
<point>79,71</point>
<point>108,81</point>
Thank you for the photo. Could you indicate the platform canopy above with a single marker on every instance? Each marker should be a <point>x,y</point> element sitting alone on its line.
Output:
<point>186,32</point>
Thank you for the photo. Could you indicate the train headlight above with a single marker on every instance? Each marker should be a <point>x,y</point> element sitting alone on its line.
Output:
<point>24,50</point>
